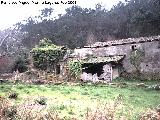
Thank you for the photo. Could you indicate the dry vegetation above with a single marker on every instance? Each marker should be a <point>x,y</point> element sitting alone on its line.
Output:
<point>77,101</point>
<point>34,111</point>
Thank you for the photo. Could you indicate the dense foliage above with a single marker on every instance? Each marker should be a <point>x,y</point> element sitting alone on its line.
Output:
<point>47,55</point>
<point>81,26</point>
<point>21,61</point>
<point>20,65</point>
<point>75,68</point>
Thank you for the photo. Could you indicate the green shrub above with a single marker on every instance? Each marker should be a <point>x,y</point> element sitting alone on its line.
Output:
<point>22,61</point>
<point>45,42</point>
<point>47,55</point>
<point>20,65</point>
<point>75,68</point>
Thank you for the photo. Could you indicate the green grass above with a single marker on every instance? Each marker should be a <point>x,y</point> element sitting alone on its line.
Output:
<point>73,101</point>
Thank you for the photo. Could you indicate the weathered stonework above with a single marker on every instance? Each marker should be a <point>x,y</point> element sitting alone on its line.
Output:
<point>150,46</point>
<point>107,75</point>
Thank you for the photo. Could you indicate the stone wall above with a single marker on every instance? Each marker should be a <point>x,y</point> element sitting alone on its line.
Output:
<point>152,56</point>
<point>106,74</point>
<point>115,73</point>
<point>150,64</point>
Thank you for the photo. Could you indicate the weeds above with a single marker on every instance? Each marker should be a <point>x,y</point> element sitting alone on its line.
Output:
<point>105,111</point>
<point>13,95</point>
<point>150,114</point>
<point>41,100</point>
<point>135,101</point>
<point>58,107</point>
<point>25,111</point>
<point>4,104</point>
<point>10,113</point>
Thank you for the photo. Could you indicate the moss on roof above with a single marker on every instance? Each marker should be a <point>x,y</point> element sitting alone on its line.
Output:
<point>102,59</point>
<point>125,41</point>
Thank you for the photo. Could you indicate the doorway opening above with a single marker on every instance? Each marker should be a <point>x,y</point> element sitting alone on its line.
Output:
<point>93,68</point>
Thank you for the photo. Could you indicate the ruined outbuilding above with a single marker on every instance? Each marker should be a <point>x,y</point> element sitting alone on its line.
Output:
<point>106,60</point>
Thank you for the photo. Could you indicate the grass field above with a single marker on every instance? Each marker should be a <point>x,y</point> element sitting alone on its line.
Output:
<point>73,101</point>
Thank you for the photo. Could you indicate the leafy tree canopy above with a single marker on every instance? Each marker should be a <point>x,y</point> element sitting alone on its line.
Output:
<point>79,26</point>
<point>47,55</point>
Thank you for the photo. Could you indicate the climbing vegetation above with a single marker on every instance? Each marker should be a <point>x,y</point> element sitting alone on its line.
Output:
<point>136,57</point>
<point>75,67</point>
<point>47,55</point>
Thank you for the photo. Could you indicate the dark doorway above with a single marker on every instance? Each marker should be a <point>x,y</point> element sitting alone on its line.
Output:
<point>57,69</point>
<point>93,68</point>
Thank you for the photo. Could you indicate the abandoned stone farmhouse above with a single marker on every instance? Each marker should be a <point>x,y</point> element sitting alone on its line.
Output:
<point>106,60</point>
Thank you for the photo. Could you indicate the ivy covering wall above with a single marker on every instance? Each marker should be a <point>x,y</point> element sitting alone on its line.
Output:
<point>136,58</point>
<point>47,55</point>
<point>75,67</point>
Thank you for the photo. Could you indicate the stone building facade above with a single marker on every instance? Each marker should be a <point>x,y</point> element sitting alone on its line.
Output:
<point>124,47</point>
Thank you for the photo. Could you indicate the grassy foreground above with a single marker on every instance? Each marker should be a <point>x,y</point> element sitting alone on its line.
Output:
<point>73,101</point>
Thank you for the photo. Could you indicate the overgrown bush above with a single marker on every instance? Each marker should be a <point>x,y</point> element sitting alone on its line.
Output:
<point>22,61</point>
<point>45,42</point>
<point>75,68</point>
<point>20,65</point>
<point>47,55</point>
